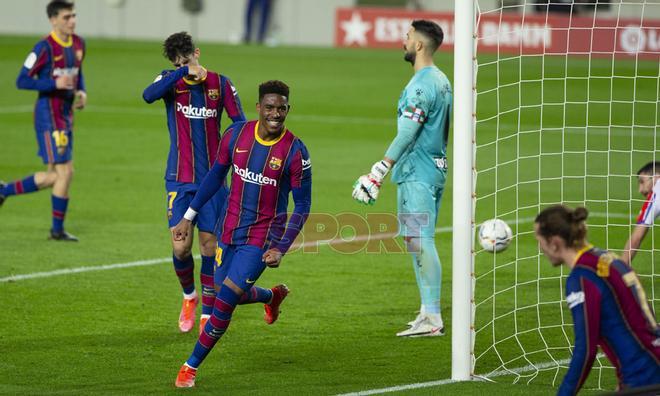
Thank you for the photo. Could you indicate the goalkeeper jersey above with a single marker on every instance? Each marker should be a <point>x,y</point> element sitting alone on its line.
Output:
<point>427,100</point>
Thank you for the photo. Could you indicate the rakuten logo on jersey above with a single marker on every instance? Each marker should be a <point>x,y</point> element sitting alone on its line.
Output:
<point>255,178</point>
<point>191,111</point>
<point>65,71</point>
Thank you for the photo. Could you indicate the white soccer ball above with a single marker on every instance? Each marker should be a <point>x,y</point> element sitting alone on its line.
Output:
<point>495,235</point>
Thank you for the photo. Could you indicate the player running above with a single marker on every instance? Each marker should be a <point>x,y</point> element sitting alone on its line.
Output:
<point>607,301</point>
<point>54,69</point>
<point>194,99</point>
<point>268,163</point>
<point>418,156</point>
<point>649,186</point>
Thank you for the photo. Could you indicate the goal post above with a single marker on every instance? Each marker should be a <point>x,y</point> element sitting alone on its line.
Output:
<point>463,168</point>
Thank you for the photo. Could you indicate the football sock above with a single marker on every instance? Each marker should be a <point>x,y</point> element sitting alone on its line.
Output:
<point>208,291</point>
<point>18,187</point>
<point>256,294</point>
<point>225,303</point>
<point>59,212</point>
<point>185,270</point>
<point>428,272</point>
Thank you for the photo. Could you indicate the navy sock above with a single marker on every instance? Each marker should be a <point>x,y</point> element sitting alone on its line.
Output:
<point>208,290</point>
<point>225,303</point>
<point>59,212</point>
<point>185,271</point>
<point>256,294</point>
<point>27,185</point>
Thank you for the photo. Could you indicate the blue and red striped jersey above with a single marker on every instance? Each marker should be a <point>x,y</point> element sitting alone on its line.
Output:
<point>610,310</point>
<point>264,173</point>
<point>49,59</point>
<point>194,111</point>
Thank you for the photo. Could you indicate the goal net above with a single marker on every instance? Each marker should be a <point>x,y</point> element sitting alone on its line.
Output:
<point>567,111</point>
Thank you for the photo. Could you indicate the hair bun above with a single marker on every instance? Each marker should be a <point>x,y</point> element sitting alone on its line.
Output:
<point>579,214</point>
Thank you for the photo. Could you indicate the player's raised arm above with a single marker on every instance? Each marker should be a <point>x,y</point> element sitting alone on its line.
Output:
<point>163,84</point>
<point>28,77</point>
<point>231,101</point>
<point>585,308</point>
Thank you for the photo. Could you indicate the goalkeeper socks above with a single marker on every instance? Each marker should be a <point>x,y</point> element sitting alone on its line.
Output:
<point>256,294</point>
<point>429,275</point>
<point>185,271</point>
<point>18,187</point>
<point>216,326</point>
<point>59,212</point>
<point>208,291</point>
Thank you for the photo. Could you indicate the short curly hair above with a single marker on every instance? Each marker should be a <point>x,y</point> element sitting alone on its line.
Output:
<point>178,44</point>
<point>273,87</point>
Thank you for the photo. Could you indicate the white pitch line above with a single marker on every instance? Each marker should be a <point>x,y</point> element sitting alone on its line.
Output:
<point>492,374</point>
<point>334,242</point>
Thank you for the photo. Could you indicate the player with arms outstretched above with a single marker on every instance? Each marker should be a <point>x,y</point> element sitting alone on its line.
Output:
<point>649,186</point>
<point>607,301</point>
<point>194,100</point>
<point>268,163</point>
<point>418,156</point>
<point>54,69</point>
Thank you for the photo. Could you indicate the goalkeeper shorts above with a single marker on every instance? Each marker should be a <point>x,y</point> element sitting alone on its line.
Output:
<point>418,206</point>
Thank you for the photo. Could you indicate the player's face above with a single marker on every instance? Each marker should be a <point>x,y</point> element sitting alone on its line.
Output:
<point>187,60</point>
<point>273,110</point>
<point>645,183</point>
<point>409,44</point>
<point>64,22</point>
<point>549,247</point>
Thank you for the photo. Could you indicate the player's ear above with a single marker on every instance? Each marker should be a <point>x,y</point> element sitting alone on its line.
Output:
<point>196,53</point>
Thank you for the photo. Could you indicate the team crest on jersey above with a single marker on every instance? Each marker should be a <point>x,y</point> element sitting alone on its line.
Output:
<point>214,94</point>
<point>79,55</point>
<point>275,163</point>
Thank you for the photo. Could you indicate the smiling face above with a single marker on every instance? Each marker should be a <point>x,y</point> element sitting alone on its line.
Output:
<point>64,23</point>
<point>272,109</point>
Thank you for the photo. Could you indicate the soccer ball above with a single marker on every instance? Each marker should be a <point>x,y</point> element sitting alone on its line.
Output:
<point>495,235</point>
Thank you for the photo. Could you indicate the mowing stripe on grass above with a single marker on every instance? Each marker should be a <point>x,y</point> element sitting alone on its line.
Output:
<point>143,263</point>
<point>492,374</point>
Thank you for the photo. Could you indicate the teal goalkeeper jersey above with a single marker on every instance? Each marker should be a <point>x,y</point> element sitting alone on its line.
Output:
<point>427,101</point>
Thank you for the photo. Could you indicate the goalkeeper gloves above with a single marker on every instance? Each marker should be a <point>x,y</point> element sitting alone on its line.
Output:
<point>367,187</point>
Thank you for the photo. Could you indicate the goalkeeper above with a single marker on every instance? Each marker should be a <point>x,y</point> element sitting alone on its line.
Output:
<point>417,157</point>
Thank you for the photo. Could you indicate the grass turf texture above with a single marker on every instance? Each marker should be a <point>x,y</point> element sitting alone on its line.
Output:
<point>114,332</point>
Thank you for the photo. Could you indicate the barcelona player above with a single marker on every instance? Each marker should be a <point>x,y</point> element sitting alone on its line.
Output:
<point>648,178</point>
<point>54,70</point>
<point>607,301</point>
<point>268,163</point>
<point>418,159</point>
<point>194,100</point>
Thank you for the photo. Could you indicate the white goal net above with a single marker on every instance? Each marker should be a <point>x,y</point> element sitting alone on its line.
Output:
<point>567,111</point>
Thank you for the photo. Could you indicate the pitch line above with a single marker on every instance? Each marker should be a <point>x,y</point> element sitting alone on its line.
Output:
<point>144,263</point>
<point>492,374</point>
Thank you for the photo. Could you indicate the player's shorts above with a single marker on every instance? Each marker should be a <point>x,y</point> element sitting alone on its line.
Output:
<point>55,147</point>
<point>243,264</point>
<point>418,207</point>
<point>179,196</point>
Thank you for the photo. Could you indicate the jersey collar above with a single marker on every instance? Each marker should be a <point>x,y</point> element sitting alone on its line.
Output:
<point>59,41</point>
<point>269,142</point>
<point>194,82</point>
<point>581,252</point>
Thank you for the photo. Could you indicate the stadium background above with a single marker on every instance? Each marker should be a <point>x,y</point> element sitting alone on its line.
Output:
<point>114,331</point>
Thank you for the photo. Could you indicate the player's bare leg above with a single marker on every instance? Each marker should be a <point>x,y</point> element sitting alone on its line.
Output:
<point>207,248</point>
<point>60,199</point>
<point>184,267</point>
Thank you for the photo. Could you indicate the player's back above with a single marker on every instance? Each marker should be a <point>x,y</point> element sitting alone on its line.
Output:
<point>629,333</point>
<point>425,160</point>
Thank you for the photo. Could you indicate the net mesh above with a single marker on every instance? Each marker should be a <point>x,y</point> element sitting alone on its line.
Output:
<point>566,112</point>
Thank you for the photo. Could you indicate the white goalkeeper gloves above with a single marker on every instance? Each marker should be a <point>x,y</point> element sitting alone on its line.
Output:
<point>367,187</point>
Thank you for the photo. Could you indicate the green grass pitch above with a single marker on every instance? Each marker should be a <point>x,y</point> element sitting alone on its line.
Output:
<point>115,332</point>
